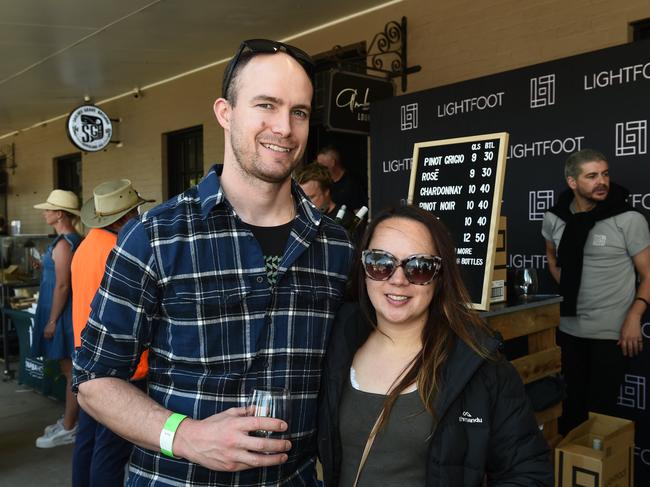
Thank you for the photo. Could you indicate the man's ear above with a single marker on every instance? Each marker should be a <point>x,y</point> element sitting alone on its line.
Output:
<point>222,111</point>
<point>573,184</point>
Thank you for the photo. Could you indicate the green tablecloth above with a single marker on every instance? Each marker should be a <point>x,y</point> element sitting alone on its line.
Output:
<point>45,377</point>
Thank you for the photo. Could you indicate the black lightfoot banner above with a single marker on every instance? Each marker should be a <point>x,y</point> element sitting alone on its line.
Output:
<point>599,100</point>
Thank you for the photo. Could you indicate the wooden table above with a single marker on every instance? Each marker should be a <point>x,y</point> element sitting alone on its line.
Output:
<point>536,319</point>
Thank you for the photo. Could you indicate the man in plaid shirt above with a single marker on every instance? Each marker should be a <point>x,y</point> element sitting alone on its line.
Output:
<point>231,285</point>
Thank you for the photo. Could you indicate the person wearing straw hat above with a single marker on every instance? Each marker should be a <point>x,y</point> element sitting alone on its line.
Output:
<point>111,202</point>
<point>99,454</point>
<point>53,337</point>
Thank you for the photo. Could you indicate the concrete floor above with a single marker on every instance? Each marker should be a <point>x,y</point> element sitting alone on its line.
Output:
<point>23,415</point>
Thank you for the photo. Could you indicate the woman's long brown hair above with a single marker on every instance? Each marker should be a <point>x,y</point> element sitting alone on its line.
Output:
<point>449,314</point>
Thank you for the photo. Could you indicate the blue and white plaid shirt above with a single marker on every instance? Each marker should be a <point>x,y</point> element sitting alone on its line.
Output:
<point>188,282</point>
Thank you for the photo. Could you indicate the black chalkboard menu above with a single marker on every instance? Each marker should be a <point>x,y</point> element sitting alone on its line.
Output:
<point>461,182</point>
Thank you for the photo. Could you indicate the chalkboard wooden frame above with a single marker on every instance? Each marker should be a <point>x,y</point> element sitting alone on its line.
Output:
<point>480,299</point>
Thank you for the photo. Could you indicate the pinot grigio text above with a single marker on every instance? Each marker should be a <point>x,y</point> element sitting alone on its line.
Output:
<point>460,181</point>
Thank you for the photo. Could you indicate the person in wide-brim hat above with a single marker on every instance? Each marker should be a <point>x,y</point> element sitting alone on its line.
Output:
<point>60,200</point>
<point>52,332</point>
<point>110,202</point>
<point>113,205</point>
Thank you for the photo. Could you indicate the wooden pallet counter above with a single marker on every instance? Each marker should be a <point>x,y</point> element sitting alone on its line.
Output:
<point>534,321</point>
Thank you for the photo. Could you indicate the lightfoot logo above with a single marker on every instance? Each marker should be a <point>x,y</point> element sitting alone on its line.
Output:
<point>466,417</point>
<point>620,76</point>
<point>639,200</point>
<point>632,392</point>
<point>645,330</point>
<point>470,104</point>
<point>540,148</point>
<point>517,261</point>
<point>539,202</point>
<point>632,138</point>
<point>643,453</point>
<point>542,91</point>
<point>396,165</point>
<point>409,116</point>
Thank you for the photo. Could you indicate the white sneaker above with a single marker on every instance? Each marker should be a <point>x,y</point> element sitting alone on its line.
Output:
<point>56,437</point>
<point>57,425</point>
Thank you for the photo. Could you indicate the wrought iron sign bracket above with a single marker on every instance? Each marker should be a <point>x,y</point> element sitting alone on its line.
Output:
<point>387,53</point>
<point>116,125</point>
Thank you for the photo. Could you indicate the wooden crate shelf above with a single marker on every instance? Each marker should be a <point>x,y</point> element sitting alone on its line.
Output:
<point>536,320</point>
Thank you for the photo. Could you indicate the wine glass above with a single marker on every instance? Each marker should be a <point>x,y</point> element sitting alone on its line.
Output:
<point>525,282</point>
<point>269,402</point>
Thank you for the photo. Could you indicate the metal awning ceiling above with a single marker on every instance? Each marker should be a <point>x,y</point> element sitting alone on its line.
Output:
<point>55,52</point>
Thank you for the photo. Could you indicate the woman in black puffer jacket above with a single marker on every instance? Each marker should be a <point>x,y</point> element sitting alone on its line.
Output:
<point>453,412</point>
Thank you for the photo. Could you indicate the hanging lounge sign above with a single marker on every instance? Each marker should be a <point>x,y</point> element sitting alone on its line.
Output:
<point>89,128</point>
<point>349,99</point>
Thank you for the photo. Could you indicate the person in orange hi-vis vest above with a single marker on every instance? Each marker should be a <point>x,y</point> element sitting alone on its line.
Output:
<point>99,454</point>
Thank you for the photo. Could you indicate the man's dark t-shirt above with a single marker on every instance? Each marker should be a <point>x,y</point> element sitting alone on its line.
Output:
<point>272,240</point>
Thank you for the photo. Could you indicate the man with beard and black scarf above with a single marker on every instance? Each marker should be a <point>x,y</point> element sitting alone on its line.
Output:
<point>595,242</point>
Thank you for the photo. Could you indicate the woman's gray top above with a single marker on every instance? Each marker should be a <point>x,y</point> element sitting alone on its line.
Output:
<point>399,452</point>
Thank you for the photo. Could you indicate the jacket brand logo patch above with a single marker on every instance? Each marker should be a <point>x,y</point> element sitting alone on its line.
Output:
<point>466,417</point>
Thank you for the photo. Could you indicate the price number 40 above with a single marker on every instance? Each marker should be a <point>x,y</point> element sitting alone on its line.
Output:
<point>482,204</point>
<point>481,220</point>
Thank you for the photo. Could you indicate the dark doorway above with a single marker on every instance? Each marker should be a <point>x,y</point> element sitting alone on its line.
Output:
<point>353,147</point>
<point>640,30</point>
<point>184,159</point>
<point>67,173</point>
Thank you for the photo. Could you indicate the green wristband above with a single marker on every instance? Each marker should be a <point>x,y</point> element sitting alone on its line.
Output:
<point>168,432</point>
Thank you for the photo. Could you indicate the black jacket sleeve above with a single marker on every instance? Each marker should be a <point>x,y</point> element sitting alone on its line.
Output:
<point>348,333</point>
<point>518,454</point>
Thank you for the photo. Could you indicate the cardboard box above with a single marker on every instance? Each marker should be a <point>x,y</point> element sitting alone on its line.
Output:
<point>498,292</point>
<point>499,276</point>
<point>500,258</point>
<point>577,463</point>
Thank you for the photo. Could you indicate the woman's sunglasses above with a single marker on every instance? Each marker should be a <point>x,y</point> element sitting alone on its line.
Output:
<point>266,46</point>
<point>419,269</point>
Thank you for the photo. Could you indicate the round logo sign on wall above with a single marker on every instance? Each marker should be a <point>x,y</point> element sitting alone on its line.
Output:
<point>89,128</point>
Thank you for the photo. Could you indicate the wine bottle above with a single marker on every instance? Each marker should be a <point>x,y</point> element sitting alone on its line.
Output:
<point>358,218</point>
<point>340,214</point>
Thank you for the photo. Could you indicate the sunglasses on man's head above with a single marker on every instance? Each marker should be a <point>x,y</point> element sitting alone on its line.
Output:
<point>419,269</point>
<point>266,46</point>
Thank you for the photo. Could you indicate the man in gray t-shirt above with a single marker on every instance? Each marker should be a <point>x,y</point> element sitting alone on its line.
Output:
<point>594,243</point>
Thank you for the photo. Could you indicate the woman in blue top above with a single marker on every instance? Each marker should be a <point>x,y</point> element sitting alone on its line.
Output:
<point>53,335</point>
